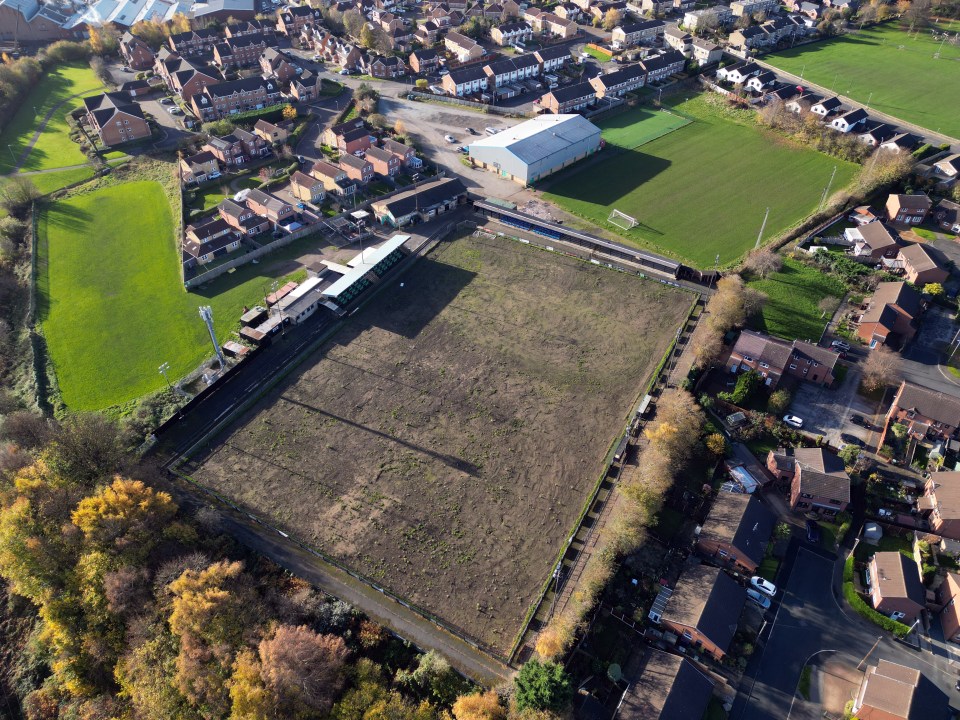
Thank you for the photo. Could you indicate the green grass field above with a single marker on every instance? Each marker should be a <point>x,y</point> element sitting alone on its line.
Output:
<point>701,190</point>
<point>894,70</point>
<point>54,149</point>
<point>638,126</point>
<point>111,301</point>
<point>792,297</point>
<point>597,54</point>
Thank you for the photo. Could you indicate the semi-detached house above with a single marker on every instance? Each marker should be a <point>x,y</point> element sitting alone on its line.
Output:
<point>569,98</point>
<point>552,58</point>
<point>465,81</point>
<point>511,70</point>
<point>636,33</point>
<point>664,65</point>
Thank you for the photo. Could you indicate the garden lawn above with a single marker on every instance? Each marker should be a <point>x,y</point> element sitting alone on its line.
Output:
<point>54,148</point>
<point>597,54</point>
<point>793,294</point>
<point>112,304</point>
<point>892,69</point>
<point>701,191</point>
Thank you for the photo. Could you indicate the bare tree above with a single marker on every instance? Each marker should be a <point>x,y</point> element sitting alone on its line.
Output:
<point>763,262</point>
<point>881,368</point>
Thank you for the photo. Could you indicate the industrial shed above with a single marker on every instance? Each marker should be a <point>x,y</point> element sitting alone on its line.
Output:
<point>536,148</point>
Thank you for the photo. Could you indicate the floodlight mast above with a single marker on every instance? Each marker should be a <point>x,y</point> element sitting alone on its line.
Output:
<point>206,312</point>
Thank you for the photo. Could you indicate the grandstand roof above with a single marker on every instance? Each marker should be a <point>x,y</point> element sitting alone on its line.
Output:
<point>363,263</point>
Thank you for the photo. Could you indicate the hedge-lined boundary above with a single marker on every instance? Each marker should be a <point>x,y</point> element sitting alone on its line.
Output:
<point>860,605</point>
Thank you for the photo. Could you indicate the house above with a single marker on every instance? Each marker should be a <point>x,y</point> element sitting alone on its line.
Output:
<point>749,37</point>
<point>568,11</point>
<point>199,167</point>
<point>695,19</point>
<point>306,188</point>
<point>948,167</point>
<point>947,216</point>
<point>384,162</point>
<point>206,241</point>
<point>406,154</point>
<point>420,204</point>
<point>739,8</point>
<point>637,33</point>
<point>237,96</point>
<point>940,503</point>
<point>891,314</point>
<point>462,48</point>
<point>704,610</point>
<point>819,482</point>
<point>803,103</point>
<point>116,118</point>
<point>896,589</point>
<point>930,416</point>
<point>334,178</point>
<point>903,142</point>
<point>873,240</point>
<point>136,53</point>
<point>194,42</point>
<point>387,67</point>
<point>908,209</point>
<point>511,70</point>
<point>666,687</point>
<point>240,52</point>
<point>554,25</point>
<point>619,82</point>
<point>269,206</point>
<point>772,358</point>
<point>242,219</point>
<point>246,27</point>
<point>890,691</point>
<point>183,77</point>
<point>424,61</point>
<point>136,88</point>
<point>237,148</point>
<point>738,73</point>
<point>663,65</point>
<point>949,591</point>
<point>826,106</point>
<point>760,82</point>
<point>333,135</point>
<point>291,20</point>
<point>511,33</point>
<point>569,98</point>
<point>876,133</point>
<point>306,86</point>
<point>357,169</point>
<point>705,52</point>
<point>271,132</point>
<point>352,141</point>
<point>552,58</point>
<point>920,265</point>
<point>736,531</point>
<point>850,121</point>
<point>463,81</point>
<point>279,64</point>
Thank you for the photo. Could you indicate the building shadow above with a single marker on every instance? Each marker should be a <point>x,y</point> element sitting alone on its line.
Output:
<point>607,183</point>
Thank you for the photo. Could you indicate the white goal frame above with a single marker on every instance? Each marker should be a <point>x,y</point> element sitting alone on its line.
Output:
<point>617,217</point>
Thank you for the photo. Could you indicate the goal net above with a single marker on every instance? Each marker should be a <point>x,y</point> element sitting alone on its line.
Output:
<point>622,220</point>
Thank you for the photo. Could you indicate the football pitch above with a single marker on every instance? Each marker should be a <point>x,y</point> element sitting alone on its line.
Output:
<point>701,190</point>
<point>912,76</point>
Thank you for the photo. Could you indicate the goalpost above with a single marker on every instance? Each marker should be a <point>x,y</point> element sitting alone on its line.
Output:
<point>622,220</point>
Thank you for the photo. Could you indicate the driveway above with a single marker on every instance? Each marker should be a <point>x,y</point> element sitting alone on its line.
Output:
<point>827,411</point>
<point>810,625</point>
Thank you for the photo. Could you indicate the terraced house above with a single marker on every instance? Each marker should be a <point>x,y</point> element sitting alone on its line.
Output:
<point>237,148</point>
<point>194,42</point>
<point>183,76</point>
<point>136,53</point>
<point>279,64</point>
<point>240,52</point>
<point>619,82</point>
<point>637,33</point>
<point>570,98</point>
<point>237,96</point>
<point>664,65</point>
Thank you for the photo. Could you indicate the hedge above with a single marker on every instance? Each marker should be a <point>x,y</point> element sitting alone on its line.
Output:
<point>860,605</point>
<point>270,114</point>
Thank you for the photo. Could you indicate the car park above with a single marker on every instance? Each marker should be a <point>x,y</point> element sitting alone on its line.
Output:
<point>813,531</point>
<point>758,598</point>
<point>763,585</point>
<point>793,421</point>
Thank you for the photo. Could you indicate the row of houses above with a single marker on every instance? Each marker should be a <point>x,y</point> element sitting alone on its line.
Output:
<point>480,78</point>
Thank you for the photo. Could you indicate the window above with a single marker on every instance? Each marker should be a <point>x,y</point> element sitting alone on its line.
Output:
<point>764,365</point>
<point>793,366</point>
<point>834,502</point>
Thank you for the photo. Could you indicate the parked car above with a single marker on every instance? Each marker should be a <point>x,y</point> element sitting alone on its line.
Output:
<point>464,149</point>
<point>174,110</point>
<point>763,585</point>
<point>166,101</point>
<point>813,532</point>
<point>472,131</point>
<point>449,138</point>
<point>127,68</point>
<point>859,420</point>
<point>491,131</point>
<point>849,439</point>
<point>885,513</point>
<point>758,598</point>
<point>840,345</point>
<point>793,421</point>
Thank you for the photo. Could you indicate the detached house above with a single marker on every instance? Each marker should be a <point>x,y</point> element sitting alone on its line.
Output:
<point>136,53</point>
<point>850,121</point>
<point>667,687</point>
<point>874,240</point>
<point>736,531</point>
<point>387,67</point>
<point>826,106</point>
<point>637,33</point>
<point>271,132</point>
<point>895,586</point>
<point>908,209</point>
<point>199,168</point>
<point>894,692</point>
<point>116,118</point>
<point>874,134</point>
<point>208,240</point>
<point>930,416</point>
<point>704,610</point>
<point>920,265</point>
<point>901,143</point>
<point>306,86</point>
<point>406,154</point>
<point>940,504</point>
<point>802,104</point>
<point>947,216</point>
<point>357,169</point>
<point>242,219</point>
<point>891,314</point>
<point>334,178</point>
<point>949,167</point>
<point>269,206</point>
<point>818,480</point>
<point>182,76</point>
<point>462,48</point>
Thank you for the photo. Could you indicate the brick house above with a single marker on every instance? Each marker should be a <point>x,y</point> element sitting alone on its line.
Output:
<point>556,26</point>
<point>269,206</point>
<point>896,589</point>
<point>462,48</point>
<point>357,169</point>
<point>736,531</point>
<point>194,42</point>
<point>239,52</point>
<point>350,142</point>
<point>920,265</point>
<point>929,415</point>
<point>306,86</point>
<point>210,239</point>
<point>116,118</point>
<point>406,154</point>
<point>819,481</point>
<point>874,240</point>
<point>908,209</point>
<point>334,178</point>
<point>243,219</point>
<point>704,609</point>
<point>619,82</point>
<point>667,687</point>
<point>891,314</point>
<point>890,691</point>
<point>424,61</point>
<point>467,80</point>
<point>271,132</point>
<point>384,162</point>
<point>387,67</point>
<point>773,358</point>
<point>427,33</point>
<point>331,136</point>
<point>291,20</point>
<point>246,27</point>
<point>306,188</point>
<point>279,64</point>
<point>568,99</point>
<point>948,593</point>
<point>198,167</point>
<point>940,504</point>
<point>183,77</point>
<point>236,96</point>
<point>947,216</point>
<point>136,53</point>
<point>237,148</point>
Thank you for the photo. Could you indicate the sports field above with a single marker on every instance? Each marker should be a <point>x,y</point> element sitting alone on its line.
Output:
<point>639,126</point>
<point>111,301</point>
<point>54,149</point>
<point>701,190</point>
<point>895,71</point>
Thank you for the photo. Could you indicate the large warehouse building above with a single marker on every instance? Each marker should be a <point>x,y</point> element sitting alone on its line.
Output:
<point>533,149</point>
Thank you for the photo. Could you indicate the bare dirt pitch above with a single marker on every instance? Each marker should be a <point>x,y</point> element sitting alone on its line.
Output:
<point>444,443</point>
